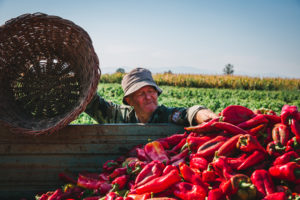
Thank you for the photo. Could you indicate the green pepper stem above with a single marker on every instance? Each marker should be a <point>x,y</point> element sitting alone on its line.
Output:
<point>244,185</point>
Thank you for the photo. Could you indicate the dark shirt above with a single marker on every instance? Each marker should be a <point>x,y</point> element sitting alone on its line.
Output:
<point>107,112</point>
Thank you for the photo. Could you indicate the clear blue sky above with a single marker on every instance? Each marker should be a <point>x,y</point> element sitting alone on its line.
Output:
<point>258,37</point>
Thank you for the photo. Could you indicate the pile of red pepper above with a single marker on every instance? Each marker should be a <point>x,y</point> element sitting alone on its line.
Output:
<point>243,154</point>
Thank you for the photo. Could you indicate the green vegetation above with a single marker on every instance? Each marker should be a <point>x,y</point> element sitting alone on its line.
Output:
<point>215,99</point>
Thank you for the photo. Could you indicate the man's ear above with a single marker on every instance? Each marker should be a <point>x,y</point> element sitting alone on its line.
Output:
<point>128,100</point>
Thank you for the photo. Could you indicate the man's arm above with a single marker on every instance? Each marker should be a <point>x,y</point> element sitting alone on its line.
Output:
<point>204,115</point>
<point>190,116</point>
<point>106,112</point>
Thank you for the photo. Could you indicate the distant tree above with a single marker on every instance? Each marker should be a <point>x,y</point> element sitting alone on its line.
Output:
<point>120,70</point>
<point>228,69</point>
<point>168,72</point>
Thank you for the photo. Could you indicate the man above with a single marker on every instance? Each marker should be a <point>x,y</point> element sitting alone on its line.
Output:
<point>141,106</point>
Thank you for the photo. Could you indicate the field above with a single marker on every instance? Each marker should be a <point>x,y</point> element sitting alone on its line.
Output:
<point>213,98</point>
<point>215,81</point>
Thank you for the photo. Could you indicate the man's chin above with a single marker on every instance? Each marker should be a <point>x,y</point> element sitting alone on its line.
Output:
<point>150,109</point>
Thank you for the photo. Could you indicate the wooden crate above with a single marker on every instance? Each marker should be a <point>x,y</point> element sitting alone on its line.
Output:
<point>31,164</point>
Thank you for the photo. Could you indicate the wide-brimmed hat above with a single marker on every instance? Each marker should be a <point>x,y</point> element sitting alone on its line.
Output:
<point>135,80</point>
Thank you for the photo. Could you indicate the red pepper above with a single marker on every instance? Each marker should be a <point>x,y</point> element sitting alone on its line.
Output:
<point>264,111</point>
<point>276,196</point>
<point>205,127</point>
<point>56,195</point>
<point>144,196</point>
<point>159,184</point>
<point>152,170</point>
<point>184,154</point>
<point>169,168</point>
<point>234,163</point>
<point>193,143</point>
<point>288,112</point>
<point>190,176</point>
<point>177,162</point>
<point>293,145</point>
<point>88,182</point>
<point>162,198</point>
<point>110,165</point>
<point>134,165</point>
<point>275,149</point>
<point>216,194</point>
<point>119,182</point>
<point>117,172</point>
<point>257,120</point>
<point>295,128</point>
<point>239,186</point>
<point>178,147</point>
<point>130,161</point>
<point>273,119</point>
<point>208,149</point>
<point>258,130</point>
<point>249,143</point>
<point>229,146</point>
<point>208,175</point>
<point>142,155</point>
<point>229,128</point>
<point>289,171</point>
<point>173,139</point>
<point>44,197</point>
<point>281,134</point>
<point>290,156</point>
<point>253,159</point>
<point>155,151</point>
<point>111,196</point>
<point>104,176</point>
<point>263,182</point>
<point>188,191</point>
<point>236,114</point>
<point>91,198</point>
<point>198,163</point>
<point>164,143</point>
<point>104,187</point>
<point>221,167</point>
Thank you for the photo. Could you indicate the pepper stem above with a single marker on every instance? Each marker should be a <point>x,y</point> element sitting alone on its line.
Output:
<point>243,141</point>
<point>186,145</point>
<point>244,185</point>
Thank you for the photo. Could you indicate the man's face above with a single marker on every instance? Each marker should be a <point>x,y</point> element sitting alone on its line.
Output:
<point>144,100</point>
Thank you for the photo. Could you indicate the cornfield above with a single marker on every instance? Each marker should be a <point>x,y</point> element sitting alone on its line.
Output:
<point>215,81</point>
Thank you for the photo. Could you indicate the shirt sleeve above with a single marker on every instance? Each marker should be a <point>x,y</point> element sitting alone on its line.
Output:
<point>107,112</point>
<point>177,115</point>
<point>191,112</point>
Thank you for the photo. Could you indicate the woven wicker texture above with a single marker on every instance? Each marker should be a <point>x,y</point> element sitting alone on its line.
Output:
<point>48,73</point>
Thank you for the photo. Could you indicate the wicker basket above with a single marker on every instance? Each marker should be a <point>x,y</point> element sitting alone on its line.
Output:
<point>49,72</point>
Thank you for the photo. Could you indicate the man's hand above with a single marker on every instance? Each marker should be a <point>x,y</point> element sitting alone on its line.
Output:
<point>204,115</point>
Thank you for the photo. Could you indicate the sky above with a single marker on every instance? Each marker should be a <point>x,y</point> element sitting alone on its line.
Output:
<point>258,37</point>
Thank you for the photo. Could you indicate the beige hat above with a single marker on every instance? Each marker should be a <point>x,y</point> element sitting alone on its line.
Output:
<point>135,80</point>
